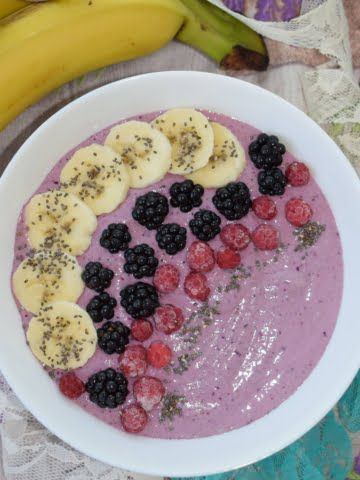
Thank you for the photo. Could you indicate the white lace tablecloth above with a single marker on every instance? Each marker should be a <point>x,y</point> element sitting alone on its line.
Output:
<point>330,95</point>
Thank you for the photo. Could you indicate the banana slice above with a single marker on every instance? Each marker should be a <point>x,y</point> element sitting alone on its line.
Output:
<point>145,151</point>
<point>45,277</point>
<point>226,162</point>
<point>98,176</point>
<point>59,220</point>
<point>191,138</point>
<point>62,336</point>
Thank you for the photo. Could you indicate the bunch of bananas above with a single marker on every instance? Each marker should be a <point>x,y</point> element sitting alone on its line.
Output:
<point>44,44</point>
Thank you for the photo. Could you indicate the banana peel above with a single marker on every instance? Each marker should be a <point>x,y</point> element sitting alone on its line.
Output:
<point>229,42</point>
<point>46,44</point>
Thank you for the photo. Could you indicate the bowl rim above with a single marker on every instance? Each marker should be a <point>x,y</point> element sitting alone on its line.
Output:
<point>158,457</point>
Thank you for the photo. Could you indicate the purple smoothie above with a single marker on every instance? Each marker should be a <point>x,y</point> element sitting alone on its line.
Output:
<point>263,329</point>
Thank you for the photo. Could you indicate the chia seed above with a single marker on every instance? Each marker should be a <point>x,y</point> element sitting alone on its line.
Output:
<point>308,235</point>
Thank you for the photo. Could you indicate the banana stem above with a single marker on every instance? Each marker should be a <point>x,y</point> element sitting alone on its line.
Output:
<point>225,39</point>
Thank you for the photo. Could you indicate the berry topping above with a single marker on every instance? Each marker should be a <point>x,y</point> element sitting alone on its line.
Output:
<point>228,258</point>
<point>205,225</point>
<point>140,261</point>
<point>166,278</point>
<point>265,237</point>
<point>113,337</point>
<point>101,307</point>
<point>266,151</point>
<point>107,388</point>
<point>97,277</point>
<point>148,391</point>
<point>150,210</point>
<point>297,174</point>
<point>139,299</point>
<point>264,207</point>
<point>133,418</point>
<point>71,386</point>
<point>115,237</point>
<point>171,237</point>
<point>196,287</point>
<point>272,182</point>
<point>200,257</point>
<point>235,236</point>
<point>298,212</point>
<point>186,195</point>
<point>159,355</point>
<point>168,319</point>
<point>233,200</point>
<point>133,361</point>
<point>141,330</point>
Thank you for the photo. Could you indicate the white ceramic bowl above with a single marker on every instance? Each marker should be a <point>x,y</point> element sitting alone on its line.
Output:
<point>338,365</point>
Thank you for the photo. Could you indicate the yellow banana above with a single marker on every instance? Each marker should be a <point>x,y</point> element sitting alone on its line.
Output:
<point>9,6</point>
<point>47,44</point>
<point>44,45</point>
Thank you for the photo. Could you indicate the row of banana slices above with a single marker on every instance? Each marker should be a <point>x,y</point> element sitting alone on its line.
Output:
<point>94,181</point>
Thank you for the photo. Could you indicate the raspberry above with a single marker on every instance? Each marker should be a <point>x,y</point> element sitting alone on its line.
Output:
<point>228,258</point>
<point>166,278</point>
<point>235,236</point>
<point>133,361</point>
<point>297,174</point>
<point>168,319</point>
<point>159,355</point>
<point>71,386</point>
<point>148,391</point>
<point>133,418</point>
<point>141,330</point>
<point>196,286</point>
<point>298,212</point>
<point>264,208</point>
<point>265,237</point>
<point>200,257</point>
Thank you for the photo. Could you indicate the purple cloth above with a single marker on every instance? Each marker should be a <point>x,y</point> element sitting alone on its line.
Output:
<point>267,10</point>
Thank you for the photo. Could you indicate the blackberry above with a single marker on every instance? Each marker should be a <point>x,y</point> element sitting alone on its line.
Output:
<point>101,307</point>
<point>233,200</point>
<point>113,337</point>
<point>171,237</point>
<point>205,225</point>
<point>150,210</point>
<point>115,237</point>
<point>107,388</point>
<point>96,276</point>
<point>186,195</point>
<point>140,261</point>
<point>139,299</point>
<point>266,151</point>
<point>272,182</point>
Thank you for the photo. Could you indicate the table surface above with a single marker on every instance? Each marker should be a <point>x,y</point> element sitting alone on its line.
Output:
<point>282,80</point>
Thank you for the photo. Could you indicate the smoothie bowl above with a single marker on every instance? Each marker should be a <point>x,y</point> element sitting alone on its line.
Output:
<point>181,272</point>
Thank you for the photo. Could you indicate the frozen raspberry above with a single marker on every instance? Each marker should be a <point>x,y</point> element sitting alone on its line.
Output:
<point>297,174</point>
<point>141,330</point>
<point>265,237</point>
<point>133,361</point>
<point>196,286</point>
<point>133,418</point>
<point>71,386</point>
<point>228,258</point>
<point>166,278</point>
<point>264,207</point>
<point>235,236</point>
<point>298,212</point>
<point>168,319</point>
<point>148,391</point>
<point>200,257</point>
<point>159,355</point>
